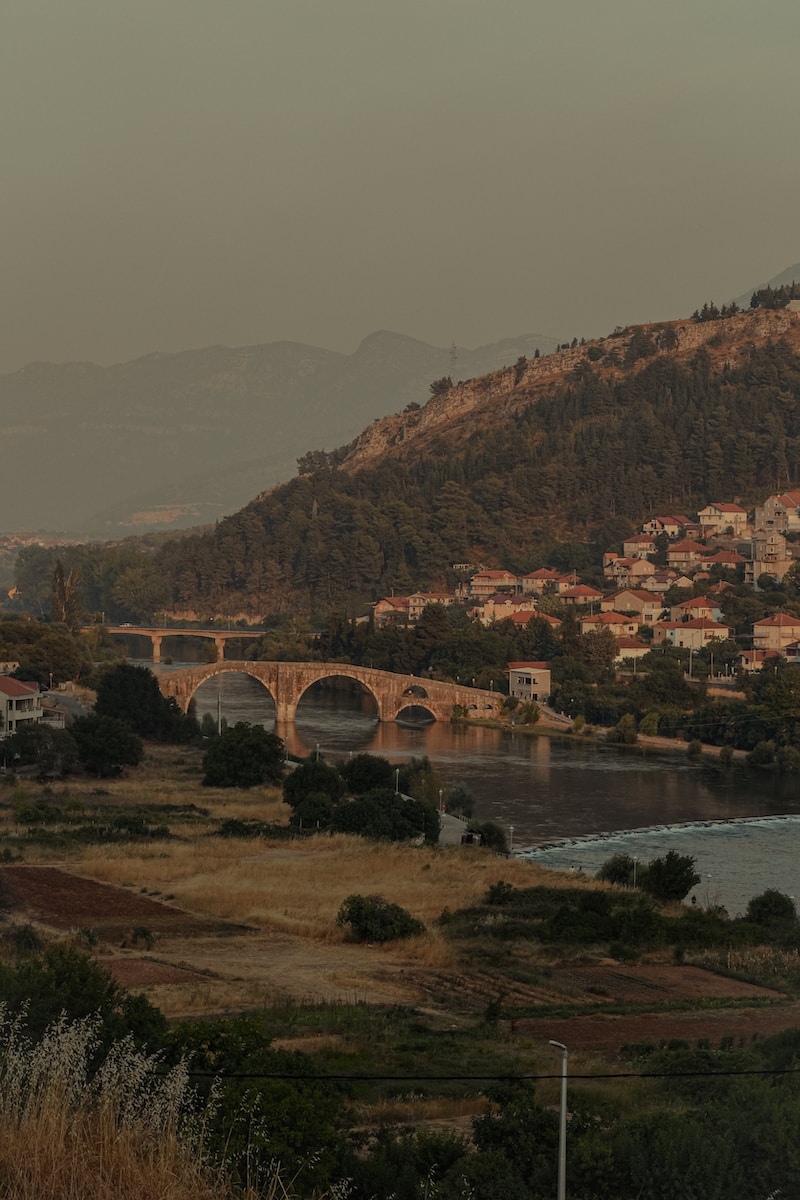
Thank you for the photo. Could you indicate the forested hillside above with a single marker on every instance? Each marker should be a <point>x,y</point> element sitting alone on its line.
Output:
<point>630,429</point>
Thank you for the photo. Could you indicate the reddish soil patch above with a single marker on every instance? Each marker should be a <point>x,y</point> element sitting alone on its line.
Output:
<point>652,982</point>
<point>145,972</point>
<point>609,1032</point>
<point>63,901</point>
<point>612,984</point>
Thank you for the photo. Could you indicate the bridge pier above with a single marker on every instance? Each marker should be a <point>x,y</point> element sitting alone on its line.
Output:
<point>220,645</point>
<point>156,639</point>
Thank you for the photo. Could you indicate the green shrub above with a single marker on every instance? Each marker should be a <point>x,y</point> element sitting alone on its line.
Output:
<point>373,919</point>
<point>771,907</point>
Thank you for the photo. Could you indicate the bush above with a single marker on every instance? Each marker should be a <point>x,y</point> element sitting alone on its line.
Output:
<point>670,877</point>
<point>762,756</point>
<point>244,756</point>
<point>313,777</point>
<point>385,815</point>
<point>771,907</point>
<point>618,869</point>
<point>695,748</point>
<point>106,745</point>
<point>373,919</point>
<point>363,772</point>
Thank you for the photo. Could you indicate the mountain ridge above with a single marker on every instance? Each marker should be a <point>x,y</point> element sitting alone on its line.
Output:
<point>148,433</point>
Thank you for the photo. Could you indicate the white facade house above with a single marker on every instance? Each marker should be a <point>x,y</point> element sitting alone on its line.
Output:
<point>20,705</point>
<point>529,680</point>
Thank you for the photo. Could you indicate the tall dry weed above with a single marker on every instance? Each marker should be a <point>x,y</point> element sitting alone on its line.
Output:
<point>126,1131</point>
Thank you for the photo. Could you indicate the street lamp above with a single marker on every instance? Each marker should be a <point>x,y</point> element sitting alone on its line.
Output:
<point>511,839</point>
<point>562,1125</point>
<point>397,781</point>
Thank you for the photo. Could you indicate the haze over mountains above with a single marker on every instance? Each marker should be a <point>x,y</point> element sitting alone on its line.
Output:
<point>175,440</point>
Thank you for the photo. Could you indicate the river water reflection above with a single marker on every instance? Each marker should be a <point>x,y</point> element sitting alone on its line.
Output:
<point>560,790</point>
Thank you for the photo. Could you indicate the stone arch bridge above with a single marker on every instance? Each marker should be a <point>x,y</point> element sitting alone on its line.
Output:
<point>288,681</point>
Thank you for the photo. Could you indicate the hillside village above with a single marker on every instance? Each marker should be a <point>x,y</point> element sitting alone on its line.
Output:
<point>669,554</point>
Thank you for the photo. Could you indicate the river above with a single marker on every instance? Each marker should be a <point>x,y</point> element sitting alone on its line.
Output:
<point>570,804</point>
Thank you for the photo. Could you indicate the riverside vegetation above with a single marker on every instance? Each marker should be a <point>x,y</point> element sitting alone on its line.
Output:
<point>429,1094</point>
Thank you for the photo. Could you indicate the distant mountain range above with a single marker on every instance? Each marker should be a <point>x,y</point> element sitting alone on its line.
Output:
<point>170,441</point>
<point>790,275</point>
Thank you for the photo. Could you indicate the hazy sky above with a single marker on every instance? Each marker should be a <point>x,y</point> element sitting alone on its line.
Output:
<point>179,173</point>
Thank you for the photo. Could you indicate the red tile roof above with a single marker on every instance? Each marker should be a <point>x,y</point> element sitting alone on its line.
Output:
<point>16,687</point>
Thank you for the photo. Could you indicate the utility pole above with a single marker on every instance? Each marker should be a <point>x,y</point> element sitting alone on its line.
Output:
<point>562,1126</point>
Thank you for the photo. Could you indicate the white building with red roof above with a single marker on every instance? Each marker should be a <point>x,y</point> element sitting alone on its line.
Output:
<point>781,512</point>
<point>536,583</point>
<point>723,518</point>
<point>486,583</point>
<point>775,632</point>
<point>620,625</point>
<point>647,606</point>
<point>691,635</point>
<point>20,705</point>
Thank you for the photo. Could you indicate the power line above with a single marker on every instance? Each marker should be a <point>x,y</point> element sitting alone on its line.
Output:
<point>488,1077</point>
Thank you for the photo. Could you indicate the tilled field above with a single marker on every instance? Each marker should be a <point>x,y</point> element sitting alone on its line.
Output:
<point>55,898</point>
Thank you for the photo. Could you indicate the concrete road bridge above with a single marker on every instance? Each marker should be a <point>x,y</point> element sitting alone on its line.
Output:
<point>218,636</point>
<point>287,682</point>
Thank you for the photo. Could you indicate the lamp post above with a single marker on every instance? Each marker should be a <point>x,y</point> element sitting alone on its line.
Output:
<point>397,781</point>
<point>511,839</point>
<point>562,1125</point>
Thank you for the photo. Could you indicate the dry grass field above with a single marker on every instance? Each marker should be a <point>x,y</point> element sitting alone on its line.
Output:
<point>204,888</point>
<point>209,924</point>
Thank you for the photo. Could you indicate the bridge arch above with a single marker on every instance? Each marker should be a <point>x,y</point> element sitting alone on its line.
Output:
<point>419,706</point>
<point>342,671</point>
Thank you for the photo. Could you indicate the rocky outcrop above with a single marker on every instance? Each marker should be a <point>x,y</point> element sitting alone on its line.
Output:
<point>457,412</point>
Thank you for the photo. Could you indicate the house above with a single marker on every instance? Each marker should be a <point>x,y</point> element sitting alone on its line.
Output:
<point>536,583</point>
<point>780,512</point>
<point>419,601</point>
<point>768,556</point>
<point>20,705</point>
<point>685,555</point>
<point>523,618</point>
<point>646,605</point>
<point>723,518</point>
<point>630,648</point>
<point>390,610</point>
<point>582,594</point>
<point>698,606</point>
<point>486,583</point>
<point>691,635</point>
<point>673,527</point>
<point>724,558</point>
<point>6,668</point>
<point>501,606</point>
<point>529,680</point>
<point>620,626</point>
<point>640,545</point>
<point>775,632</point>
<point>629,570</point>
<point>751,661</point>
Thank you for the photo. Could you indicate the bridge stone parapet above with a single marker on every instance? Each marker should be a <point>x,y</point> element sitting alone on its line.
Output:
<point>288,681</point>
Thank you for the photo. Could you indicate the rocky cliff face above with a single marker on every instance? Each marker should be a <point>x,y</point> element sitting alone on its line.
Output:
<point>483,401</point>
